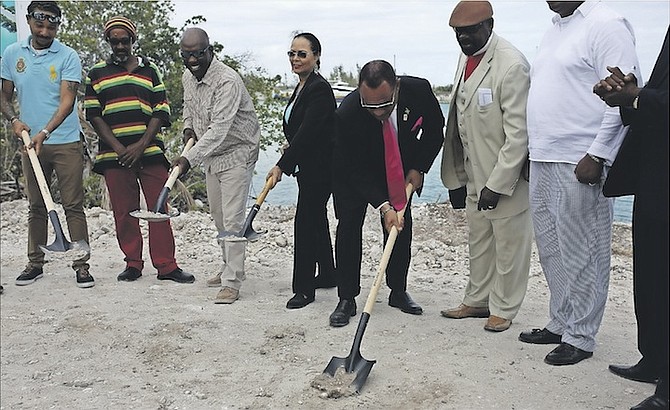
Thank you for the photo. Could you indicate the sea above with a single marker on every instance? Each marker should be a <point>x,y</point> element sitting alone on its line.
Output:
<point>286,191</point>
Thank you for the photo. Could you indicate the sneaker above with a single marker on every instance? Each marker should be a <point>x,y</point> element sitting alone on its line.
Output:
<point>84,279</point>
<point>214,281</point>
<point>227,295</point>
<point>29,275</point>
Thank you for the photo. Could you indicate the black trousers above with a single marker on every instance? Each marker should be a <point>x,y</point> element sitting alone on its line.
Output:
<point>311,235</point>
<point>650,285</point>
<point>348,252</point>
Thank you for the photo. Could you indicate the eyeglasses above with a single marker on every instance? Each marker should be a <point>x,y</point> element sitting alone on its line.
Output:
<point>39,16</point>
<point>300,54</point>
<point>473,29</point>
<point>380,105</point>
<point>197,54</point>
<point>116,41</point>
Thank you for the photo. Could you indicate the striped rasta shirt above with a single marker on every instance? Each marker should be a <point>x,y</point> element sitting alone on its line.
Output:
<point>127,101</point>
<point>220,111</point>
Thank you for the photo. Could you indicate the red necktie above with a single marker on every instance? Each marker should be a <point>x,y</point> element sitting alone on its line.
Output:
<point>471,63</point>
<point>395,176</point>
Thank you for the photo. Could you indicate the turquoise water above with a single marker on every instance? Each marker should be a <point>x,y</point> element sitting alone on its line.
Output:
<point>286,192</point>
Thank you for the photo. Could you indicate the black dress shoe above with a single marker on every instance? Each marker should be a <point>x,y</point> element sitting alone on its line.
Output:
<point>129,275</point>
<point>345,309</point>
<point>638,372</point>
<point>566,354</point>
<point>652,402</point>
<point>404,302</point>
<point>178,275</point>
<point>540,337</point>
<point>299,301</point>
<point>324,282</point>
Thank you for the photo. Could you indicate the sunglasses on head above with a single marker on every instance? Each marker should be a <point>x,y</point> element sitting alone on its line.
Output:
<point>300,54</point>
<point>116,41</point>
<point>197,54</point>
<point>469,29</point>
<point>39,16</point>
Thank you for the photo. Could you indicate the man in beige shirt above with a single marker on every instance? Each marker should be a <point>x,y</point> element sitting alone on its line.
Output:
<point>219,113</point>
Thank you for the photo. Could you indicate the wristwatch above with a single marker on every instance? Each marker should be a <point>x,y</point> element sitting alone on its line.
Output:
<point>635,101</point>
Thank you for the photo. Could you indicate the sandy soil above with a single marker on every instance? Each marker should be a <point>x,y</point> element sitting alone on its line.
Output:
<point>157,345</point>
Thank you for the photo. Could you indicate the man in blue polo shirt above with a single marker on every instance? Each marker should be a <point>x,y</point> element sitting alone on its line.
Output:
<point>46,75</point>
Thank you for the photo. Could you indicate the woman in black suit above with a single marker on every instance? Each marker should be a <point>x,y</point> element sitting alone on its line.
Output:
<point>308,121</point>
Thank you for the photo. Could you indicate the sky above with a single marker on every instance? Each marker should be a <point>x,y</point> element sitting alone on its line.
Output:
<point>414,35</point>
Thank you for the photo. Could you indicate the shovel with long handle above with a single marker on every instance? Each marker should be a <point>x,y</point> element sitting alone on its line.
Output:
<point>247,232</point>
<point>159,212</point>
<point>60,244</point>
<point>355,363</point>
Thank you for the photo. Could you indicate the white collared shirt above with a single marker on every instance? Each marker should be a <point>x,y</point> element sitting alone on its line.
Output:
<point>565,118</point>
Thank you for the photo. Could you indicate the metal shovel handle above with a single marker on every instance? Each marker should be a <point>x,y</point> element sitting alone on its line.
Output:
<point>386,255</point>
<point>39,174</point>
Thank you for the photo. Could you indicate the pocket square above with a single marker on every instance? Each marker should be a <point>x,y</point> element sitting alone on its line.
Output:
<point>417,124</point>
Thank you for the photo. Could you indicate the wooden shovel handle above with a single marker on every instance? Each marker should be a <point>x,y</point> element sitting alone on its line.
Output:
<point>264,192</point>
<point>39,174</point>
<point>386,255</point>
<point>189,144</point>
<point>174,174</point>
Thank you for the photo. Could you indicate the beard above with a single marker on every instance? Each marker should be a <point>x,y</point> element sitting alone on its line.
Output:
<point>119,59</point>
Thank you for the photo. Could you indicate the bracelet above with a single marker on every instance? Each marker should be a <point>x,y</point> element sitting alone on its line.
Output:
<point>13,119</point>
<point>596,159</point>
<point>382,213</point>
<point>46,133</point>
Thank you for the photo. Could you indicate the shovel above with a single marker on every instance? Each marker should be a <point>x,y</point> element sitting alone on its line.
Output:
<point>355,363</point>
<point>247,232</point>
<point>159,213</point>
<point>60,244</point>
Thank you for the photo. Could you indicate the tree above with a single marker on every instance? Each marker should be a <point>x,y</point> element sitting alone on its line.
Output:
<point>82,29</point>
<point>338,74</point>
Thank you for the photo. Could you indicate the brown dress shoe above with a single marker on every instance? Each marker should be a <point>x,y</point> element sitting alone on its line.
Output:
<point>214,281</point>
<point>497,324</point>
<point>227,295</point>
<point>463,311</point>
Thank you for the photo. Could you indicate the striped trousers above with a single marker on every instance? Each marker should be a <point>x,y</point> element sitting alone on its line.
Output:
<point>573,233</point>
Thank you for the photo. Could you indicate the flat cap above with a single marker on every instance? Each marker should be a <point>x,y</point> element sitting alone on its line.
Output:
<point>468,13</point>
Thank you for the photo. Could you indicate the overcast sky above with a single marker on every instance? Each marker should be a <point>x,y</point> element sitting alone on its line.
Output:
<point>412,33</point>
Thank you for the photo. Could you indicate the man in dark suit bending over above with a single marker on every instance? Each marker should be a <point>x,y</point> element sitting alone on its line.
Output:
<point>388,133</point>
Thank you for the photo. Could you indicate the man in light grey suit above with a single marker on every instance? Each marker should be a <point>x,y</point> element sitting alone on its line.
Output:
<point>485,151</point>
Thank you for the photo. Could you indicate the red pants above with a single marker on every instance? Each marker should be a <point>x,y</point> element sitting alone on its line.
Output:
<point>124,193</point>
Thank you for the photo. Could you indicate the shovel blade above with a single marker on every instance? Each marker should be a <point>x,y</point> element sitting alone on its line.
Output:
<point>354,363</point>
<point>358,365</point>
<point>60,244</point>
<point>74,250</point>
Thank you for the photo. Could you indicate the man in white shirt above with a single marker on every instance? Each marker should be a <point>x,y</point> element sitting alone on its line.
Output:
<point>573,138</point>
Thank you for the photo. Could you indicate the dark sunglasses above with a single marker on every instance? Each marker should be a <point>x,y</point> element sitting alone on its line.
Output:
<point>39,16</point>
<point>300,54</point>
<point>116,41</point>
<point>473,29</point>
<point>197,54</point>
<point>381,105</point>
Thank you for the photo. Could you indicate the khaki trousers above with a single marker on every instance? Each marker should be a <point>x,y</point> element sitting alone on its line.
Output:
<point>67,161</point>
<point>499,261</point>
<point>227,192</point>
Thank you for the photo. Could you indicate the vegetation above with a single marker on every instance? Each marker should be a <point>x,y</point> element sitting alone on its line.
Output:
<point>158,41</point>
